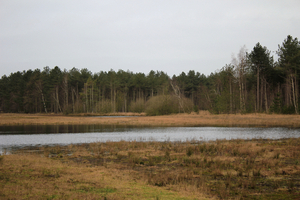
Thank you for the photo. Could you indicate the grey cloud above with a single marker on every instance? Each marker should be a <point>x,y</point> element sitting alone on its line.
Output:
<point>171,35</point>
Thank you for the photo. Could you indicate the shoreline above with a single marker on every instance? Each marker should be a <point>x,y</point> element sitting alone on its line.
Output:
<point>203,119</point>
<point>226,169</point>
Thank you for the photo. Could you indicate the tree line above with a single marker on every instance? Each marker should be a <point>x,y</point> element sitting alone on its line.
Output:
<point>252,82</point>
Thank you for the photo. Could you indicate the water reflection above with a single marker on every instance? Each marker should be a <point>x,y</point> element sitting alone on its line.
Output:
<point>20,136</point>
<point>46,129</point>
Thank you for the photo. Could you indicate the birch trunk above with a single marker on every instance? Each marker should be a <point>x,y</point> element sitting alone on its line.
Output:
<point>42,94</point>
<point>266,99</point>
<point>294,94</point>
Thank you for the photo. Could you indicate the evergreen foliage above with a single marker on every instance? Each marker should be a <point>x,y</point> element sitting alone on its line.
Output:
<point>253,82</point>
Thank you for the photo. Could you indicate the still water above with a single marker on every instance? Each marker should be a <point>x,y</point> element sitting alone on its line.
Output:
<point>23,136</point>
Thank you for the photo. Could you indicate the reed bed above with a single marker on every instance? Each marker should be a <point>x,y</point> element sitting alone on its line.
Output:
<point>235,169</point>
<point>203,118</point>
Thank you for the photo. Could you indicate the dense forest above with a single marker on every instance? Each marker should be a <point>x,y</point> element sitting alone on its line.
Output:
<point>252,82</point>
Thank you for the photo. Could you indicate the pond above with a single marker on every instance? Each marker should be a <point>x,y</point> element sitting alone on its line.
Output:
<point>38,135</point>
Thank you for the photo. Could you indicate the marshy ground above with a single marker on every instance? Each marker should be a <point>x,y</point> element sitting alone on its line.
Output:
<point>203,118</point>
<point>235,169</point>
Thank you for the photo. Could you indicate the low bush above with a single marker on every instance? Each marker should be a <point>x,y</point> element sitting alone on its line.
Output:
<point>168,104</point>
<point>137,106</point>
<point>104,106</point>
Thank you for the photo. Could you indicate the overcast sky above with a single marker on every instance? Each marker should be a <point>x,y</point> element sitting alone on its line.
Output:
<point>166,35</point>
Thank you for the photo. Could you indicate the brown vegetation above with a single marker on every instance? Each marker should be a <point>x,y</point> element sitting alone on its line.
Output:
<point>35,177</point>
<point>237,169</point>
<point>204,118</point>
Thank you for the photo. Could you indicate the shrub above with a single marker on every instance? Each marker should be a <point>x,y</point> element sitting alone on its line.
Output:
<point>68,110</point>
<point>167,104</point>
<point>196,109</point>
<point>137,106</point>
<point>276,105</point>
<point>105,106</point>
<point>288,110</point>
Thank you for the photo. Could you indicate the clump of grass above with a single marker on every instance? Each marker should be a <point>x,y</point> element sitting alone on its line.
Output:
<point>189,151</point>
<point>51,173</point>
<point>277,155</point>
<point>291,185</point>
<point>55,150</point>
<point>1,159</point>
<point>167,155</point>
<point>89,189</point>
<point>256,172</point>
<point>221,169</point>
<point>121,156</point>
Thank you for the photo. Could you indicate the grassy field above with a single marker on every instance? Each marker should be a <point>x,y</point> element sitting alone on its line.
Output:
<point>235,169</point>
<point>204,118</point>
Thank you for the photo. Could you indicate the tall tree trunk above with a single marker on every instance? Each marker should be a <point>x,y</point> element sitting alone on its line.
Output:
<point>125,99</point>
<point>58,108</point>
<point>98,108</point>
<point>86,98</point>
<point>102,97</point>
<point>36,105</point>
<point>296,92</point>
<point>77,98</point>
<point>111,96</point>
<point>230,93</point>
<point>257,90</point>
<point>139,93</point>
<point>288,98</point>
<point>92,98</point>
<point>241,95</point>
<point>261,96</point>
<point>42,94</point>
<point>295,101</point>
<point>73,107</point>
<point>115,96</point>
<point>133,96</point>
<point>266,99</point>
<point>177,93</point>
<point>66,92</point>
<point>126,109</point>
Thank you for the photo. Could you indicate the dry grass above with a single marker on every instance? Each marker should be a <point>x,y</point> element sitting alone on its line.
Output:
<point>193,119</point>
<point>36,177</point>
<point>237,169</point>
